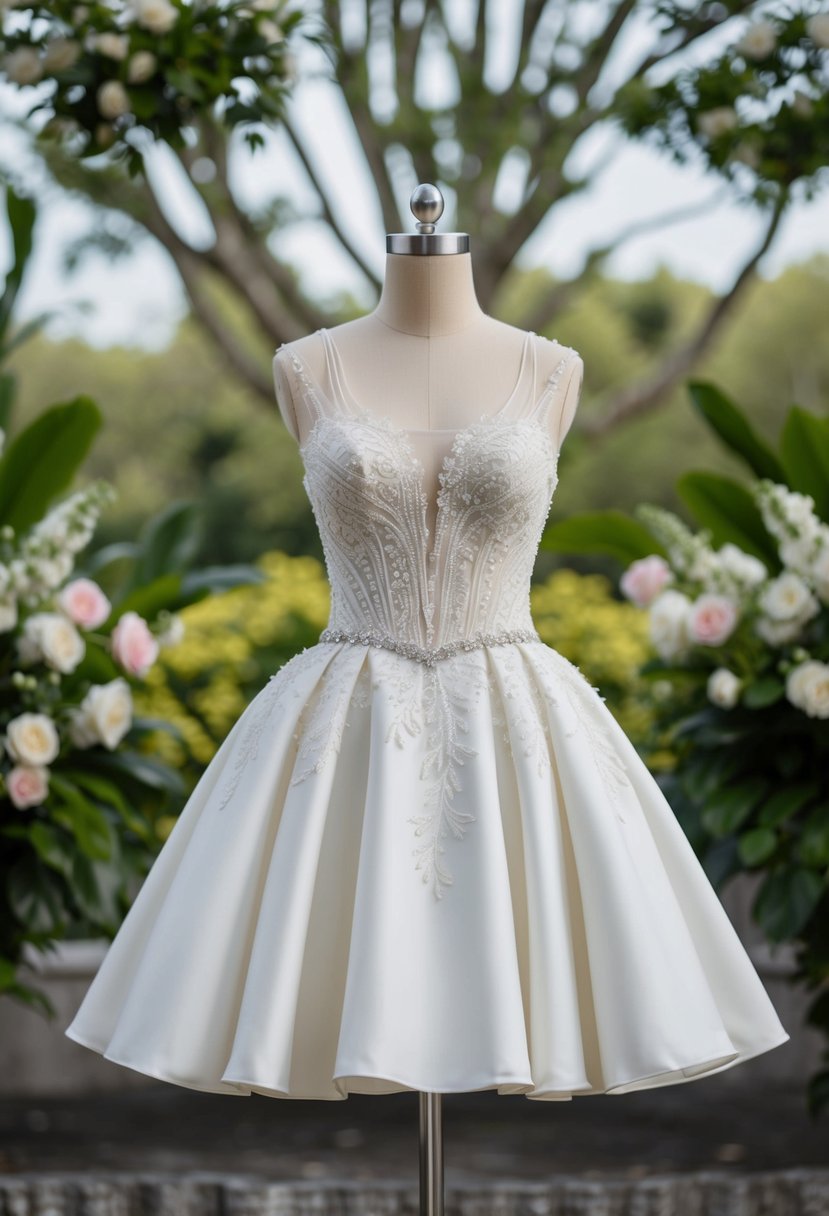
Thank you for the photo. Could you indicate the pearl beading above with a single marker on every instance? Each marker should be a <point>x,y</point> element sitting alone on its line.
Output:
<point>429,655</point>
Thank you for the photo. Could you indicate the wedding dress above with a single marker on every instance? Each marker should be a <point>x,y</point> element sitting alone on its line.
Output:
<point>426,856</point>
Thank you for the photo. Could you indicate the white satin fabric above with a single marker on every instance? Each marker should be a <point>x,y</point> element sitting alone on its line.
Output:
<point>443,875</point>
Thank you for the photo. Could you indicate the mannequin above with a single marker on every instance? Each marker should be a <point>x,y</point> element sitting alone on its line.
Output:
<point>427,356</point>
<point>430,359</point>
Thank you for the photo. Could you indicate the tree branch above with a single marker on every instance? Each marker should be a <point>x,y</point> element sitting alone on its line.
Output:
<point>646,393</point>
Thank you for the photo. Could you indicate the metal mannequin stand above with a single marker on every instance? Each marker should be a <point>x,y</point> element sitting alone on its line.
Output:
<point>431,1154</point>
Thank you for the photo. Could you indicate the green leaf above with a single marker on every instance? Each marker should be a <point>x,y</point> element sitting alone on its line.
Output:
<point>786,802</point>
<point>786,901</point>
<point>729,511</point>
<point>51,846</point>
<point>734,429</point>
<point>143,769</point>
<point>804,446</point>
<point>33,899</point>
<point>610,532</point>
<point>213,579</point>
<point>813,846</point>
<point>147,601</point>
<point>727,809</point>
<point>757,845</point>
<point>21,212</point>
<point>168,543</point>
<point>86,821</point>
<point>42,460</point>
<point>763,692</point>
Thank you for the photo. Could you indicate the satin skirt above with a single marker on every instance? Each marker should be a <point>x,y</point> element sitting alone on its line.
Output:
<point>451,878</point>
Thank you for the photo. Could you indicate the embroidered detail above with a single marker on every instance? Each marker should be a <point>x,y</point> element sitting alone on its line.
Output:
<point>258,714</point>
<point>425,654</point>
<point>324,718</point>
<point>523,718</point>
<point>609,763</point>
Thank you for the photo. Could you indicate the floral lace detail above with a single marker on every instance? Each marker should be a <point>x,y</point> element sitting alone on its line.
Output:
<point>323,720</point>
<point>436,701</point>
<point>258,714</point>
<point>523,717</point>
<point>575,685</point>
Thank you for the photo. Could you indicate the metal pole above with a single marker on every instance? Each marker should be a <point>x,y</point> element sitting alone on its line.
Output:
<point>431,1155</point>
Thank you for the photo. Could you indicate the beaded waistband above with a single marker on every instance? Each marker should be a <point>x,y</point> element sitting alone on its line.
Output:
<point>428,654</point>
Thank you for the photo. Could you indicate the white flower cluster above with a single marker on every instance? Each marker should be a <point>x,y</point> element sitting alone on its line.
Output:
<point>46,554</point>
<point>698,595</point>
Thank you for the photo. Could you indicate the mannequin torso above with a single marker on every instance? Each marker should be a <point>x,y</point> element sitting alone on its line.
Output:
<point>429,358</point>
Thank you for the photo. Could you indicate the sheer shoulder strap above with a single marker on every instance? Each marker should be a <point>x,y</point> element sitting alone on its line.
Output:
<point>549,405</point>
<point>319,400</point>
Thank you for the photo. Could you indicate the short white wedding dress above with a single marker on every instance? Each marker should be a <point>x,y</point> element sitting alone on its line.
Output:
<point>426,856</point>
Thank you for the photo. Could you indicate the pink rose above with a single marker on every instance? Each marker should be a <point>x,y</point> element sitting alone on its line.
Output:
<point>712,619</point>
<point>84,603</point>
<point>28,784</point>
<point>133,645</point>
<point>644,579</point>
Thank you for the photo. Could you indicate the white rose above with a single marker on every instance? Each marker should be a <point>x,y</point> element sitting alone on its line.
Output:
<point>113,99</point>
<point>53,638</point>
<point>807,687</point>
<point>817,28</point>
<point>717,121</point>
<point>724,687</point>
<point>104,715</point>
<point>114,46</point>
<point>60,54</point>
<point>758,41</point>
<point>5,579</point>
<point>8,614</point>
<point>787,598</point>
<point>819,573</point>
<point>668,619</point>
<point>158,16</point>
<point>23,66</point>
<point>141,67</point>
<point>32,739</point>
<point>778,632</point>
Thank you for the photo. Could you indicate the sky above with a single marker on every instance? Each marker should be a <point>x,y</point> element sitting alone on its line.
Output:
<point>139,302</point>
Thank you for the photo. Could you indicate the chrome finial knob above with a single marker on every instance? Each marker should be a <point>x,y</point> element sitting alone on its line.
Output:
<point>426,204</point>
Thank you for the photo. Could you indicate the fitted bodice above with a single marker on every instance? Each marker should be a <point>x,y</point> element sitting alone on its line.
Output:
<point>429,537</point>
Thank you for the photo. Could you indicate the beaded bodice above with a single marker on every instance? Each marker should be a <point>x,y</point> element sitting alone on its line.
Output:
<point>430,537</point>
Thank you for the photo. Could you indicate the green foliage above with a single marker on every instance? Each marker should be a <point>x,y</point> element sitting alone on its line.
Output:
<point>42,460</point>
<point>610,532</point>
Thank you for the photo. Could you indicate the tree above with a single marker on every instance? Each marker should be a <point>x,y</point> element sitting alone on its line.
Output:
<point>719,87</point>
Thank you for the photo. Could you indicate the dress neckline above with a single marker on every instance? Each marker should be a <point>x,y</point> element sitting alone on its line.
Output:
<point>339,382</point>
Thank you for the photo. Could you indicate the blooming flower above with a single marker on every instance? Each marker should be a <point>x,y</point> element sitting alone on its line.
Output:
<point>23,66</point>
<point>717,121</point>
<point>114,46</point>
<point>84,603</point>
<point>141,67</point>
<point>133,644</point>
<point>104,715</point>
<point>645,578</point>
<point>158,16</point>
<point>50,636</point>
<point>817,27</point>
<point>668,620</point>
<point>113,99</point>
<point>60,54</point>
<point>723,687</point>
<point>32,739</point>
<point>27,785</point>
<point>711,619</point>
<point>807,687</point>
<point>758,41</point>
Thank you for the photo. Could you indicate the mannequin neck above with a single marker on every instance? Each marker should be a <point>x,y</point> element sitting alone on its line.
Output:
<point>429,295</point>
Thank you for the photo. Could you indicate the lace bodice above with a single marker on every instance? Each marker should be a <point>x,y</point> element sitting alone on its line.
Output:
<point>429,537</point>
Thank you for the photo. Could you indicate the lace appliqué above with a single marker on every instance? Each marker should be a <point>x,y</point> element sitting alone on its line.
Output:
<point>522,718</point>
<point>438,700</point>
<point>260,711</point>
<point>323,720</point>
<point>609,763</point>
